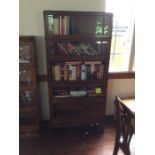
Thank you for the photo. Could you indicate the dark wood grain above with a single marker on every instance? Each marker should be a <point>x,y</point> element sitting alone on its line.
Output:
<point>82,111</point>
<point>122,75</point>
<point>26,110</point>
<point>73,141</point>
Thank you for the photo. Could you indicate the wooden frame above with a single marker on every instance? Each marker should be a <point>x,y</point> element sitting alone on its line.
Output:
<point>31,130</point>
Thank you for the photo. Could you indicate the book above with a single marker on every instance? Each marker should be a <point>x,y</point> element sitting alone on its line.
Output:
<point>60,93</point>
<point>56,72</point>
<point>73,49</point>
<point>62,25</point>
<point>101,72</point>
<point>62,49</point>
<point>83,72</point>
<point>98,47</point>
<point>88,71</point>
<point>74,72</point>
<point>92,50</point>
<point>56,25</point>
<point>78,73</point>
<point>70,72</point>
<point>84,48</point>
<point>50,24</point>
<point>66,72</point>
<point>93,69</point>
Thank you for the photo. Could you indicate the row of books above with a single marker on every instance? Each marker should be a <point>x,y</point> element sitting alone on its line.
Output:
<point>58,24</point>
<point>78,49</point>
<point>89,91</point>
<point>64,25</point>
<point>72,71</point>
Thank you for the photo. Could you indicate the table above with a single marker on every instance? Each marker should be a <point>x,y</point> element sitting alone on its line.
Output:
<point>129,104</point>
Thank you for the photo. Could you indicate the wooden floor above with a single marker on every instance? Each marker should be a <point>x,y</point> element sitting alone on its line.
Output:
<point>71,142</point>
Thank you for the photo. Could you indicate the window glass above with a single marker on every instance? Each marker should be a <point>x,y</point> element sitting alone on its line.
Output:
<point>123,23</point>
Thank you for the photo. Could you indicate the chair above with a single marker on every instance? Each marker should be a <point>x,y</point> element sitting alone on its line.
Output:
<point>124,128</point>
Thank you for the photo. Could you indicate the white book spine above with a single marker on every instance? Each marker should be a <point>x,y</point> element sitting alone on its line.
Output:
<point>83,72</point>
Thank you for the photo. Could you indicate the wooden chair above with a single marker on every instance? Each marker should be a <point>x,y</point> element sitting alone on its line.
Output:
<point>124,128</point>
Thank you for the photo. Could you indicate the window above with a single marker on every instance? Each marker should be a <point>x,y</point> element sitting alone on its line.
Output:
<point>122,46</point>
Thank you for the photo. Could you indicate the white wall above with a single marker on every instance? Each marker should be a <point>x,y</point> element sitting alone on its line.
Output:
<point>31,23</point>
<point>119,87</point>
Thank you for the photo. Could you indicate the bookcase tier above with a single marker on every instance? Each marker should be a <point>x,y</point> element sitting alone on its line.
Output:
<point>78,53</point>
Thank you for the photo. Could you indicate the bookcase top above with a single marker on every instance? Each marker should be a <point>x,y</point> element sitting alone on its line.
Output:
<point>77,13</point>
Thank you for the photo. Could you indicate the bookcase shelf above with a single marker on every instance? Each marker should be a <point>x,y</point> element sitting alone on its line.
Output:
<point>78,52</point>
<point>75,58</point>
<point>77,37</point>
<point>28,92</point>
<point>73,99</point>
<point>76,83</point>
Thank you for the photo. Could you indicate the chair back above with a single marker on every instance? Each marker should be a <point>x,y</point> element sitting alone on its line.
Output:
<point>124,128</point>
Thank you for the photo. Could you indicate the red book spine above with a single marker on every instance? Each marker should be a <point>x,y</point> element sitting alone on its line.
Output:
<point>62,24</point>
<point>78,72</point>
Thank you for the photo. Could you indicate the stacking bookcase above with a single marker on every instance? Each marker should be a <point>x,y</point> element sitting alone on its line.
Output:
<point>78,52</point>
<point>29,116</point>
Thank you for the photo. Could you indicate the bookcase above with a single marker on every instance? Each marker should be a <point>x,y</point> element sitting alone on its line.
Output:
<point>78,51</point>
<point>28,93</point>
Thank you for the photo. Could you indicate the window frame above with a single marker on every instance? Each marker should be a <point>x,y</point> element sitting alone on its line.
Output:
<point>129,72</point>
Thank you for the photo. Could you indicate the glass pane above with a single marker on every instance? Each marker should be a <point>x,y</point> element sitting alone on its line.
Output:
<point>25,77</point>
<point>96,25</point>
<point>26,118</point>
<point>119,50</point>
<point>76,71</point>
<point>78,92</point>
<point>123,23</point>
<point>26,97</point>
<point>77,49</point>
<point>117,62</point>
<point>24,54</point>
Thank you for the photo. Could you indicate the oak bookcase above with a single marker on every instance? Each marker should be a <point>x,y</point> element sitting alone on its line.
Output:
<point>28,93</point>
<point>78,51</point>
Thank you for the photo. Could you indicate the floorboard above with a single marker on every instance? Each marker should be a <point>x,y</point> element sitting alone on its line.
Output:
<point>70,142</point>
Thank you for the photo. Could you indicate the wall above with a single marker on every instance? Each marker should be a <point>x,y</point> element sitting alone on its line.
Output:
<point>31,23</point>
<point>119,87</point>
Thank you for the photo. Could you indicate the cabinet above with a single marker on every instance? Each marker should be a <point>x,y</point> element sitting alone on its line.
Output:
<point>78,51</point>
<point>28,93</point>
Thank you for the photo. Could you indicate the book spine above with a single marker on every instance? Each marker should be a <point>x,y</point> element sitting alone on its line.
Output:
<point>74,72</point>
<point>78,72</point>
<point>67,21</point>
<point>84,48</point>
<point>63,26</point>
<point>69,72</point>
<point>93,62</point>
<point>101,72</point>
<point>72,48</point>
<point>62,48</point>
<point>88,72</point>
<point>83,72</point>
<point>50,24</point>
<point>57,72</point>
<point>65,73</point>
<point>56,25</point>
<point>92,70</point>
